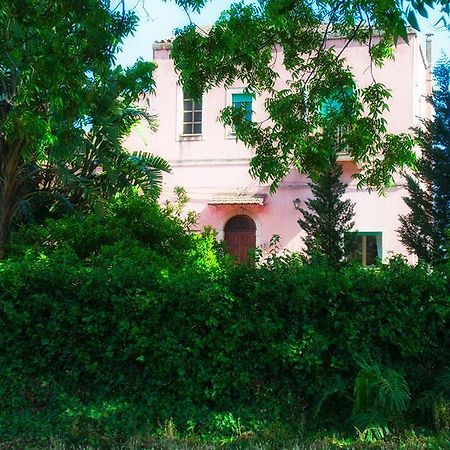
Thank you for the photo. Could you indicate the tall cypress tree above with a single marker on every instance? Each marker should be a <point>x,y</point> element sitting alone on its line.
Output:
<point>424,229</point>
<point>327,218</point>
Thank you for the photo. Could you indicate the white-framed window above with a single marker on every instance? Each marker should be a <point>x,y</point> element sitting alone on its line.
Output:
<point>367,247</point>
<point>190,117</point>
<point>192,124</point>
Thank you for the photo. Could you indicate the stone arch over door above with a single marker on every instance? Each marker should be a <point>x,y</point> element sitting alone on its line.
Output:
<point>240,236</point>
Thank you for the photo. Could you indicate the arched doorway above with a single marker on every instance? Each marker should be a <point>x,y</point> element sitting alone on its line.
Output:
<point>240,236</point>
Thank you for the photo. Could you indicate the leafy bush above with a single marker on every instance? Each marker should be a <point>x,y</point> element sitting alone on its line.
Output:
<point>119,323</point>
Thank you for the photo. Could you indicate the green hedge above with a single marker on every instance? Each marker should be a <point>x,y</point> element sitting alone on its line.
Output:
<point>121,322</point>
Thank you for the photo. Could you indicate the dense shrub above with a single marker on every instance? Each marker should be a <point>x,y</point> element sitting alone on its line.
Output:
<point>119,323</point>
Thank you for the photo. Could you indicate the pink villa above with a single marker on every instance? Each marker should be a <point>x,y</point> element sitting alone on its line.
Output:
<point>213,168</point>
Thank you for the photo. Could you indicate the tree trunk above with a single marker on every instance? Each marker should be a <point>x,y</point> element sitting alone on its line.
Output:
<point>10,167</point>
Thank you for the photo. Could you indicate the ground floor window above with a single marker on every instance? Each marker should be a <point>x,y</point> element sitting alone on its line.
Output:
<point>366,247</point>
<point>240,236</point>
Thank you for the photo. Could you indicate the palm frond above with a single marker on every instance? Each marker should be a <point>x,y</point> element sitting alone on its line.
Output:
<point>150,119</point>
<point>393,392</point>
<point>150,160</point>
<point>381,394</point>
<point>148,171</point>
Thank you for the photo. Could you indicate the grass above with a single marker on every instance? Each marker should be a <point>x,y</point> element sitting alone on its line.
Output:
<point>409,441</point>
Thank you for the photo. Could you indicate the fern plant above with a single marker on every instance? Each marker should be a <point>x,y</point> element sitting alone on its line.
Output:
<point>381,395</point>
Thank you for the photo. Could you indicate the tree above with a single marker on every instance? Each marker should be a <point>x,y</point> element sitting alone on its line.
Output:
<point>97,166</point>
<point>242,45</point>
<point>56,119</point>
<point>424,229</point>
<point>327,219</point>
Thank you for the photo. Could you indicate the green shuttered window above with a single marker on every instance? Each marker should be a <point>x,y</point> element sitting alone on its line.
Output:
<point>243,100</point>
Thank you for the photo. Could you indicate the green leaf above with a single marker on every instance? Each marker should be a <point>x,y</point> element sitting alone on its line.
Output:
<point>413,20</point>
<point>422,10</point>
<point>400,31</point>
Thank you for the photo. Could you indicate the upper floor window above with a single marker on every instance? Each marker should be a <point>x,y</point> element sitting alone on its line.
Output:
<point>192,115</point>
<point>243,100</point>
<point>335,103</point>
<point>334,109</point>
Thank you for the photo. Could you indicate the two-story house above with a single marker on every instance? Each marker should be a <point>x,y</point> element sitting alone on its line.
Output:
<point>213,167</point>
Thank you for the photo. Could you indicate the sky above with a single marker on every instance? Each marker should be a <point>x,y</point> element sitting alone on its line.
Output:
<point>159,19</point>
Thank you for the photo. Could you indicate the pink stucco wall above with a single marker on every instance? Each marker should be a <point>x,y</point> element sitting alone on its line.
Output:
<point>214,164</point>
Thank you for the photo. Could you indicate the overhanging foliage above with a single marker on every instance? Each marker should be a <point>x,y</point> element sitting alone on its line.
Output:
<point>243,45</point>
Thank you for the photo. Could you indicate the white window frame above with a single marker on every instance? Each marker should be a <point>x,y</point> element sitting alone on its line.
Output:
<point>379,238</point>
<point>180,136</point>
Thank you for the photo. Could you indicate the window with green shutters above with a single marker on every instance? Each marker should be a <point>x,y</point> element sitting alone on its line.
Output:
<point>333,106</point>
<point>192,116</point>
<point>243,100</point>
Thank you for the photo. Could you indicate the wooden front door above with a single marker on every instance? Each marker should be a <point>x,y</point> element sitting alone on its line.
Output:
<point>240,236</point>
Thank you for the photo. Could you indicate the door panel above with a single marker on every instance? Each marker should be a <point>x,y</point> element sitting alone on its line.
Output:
<point>240,236</point>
